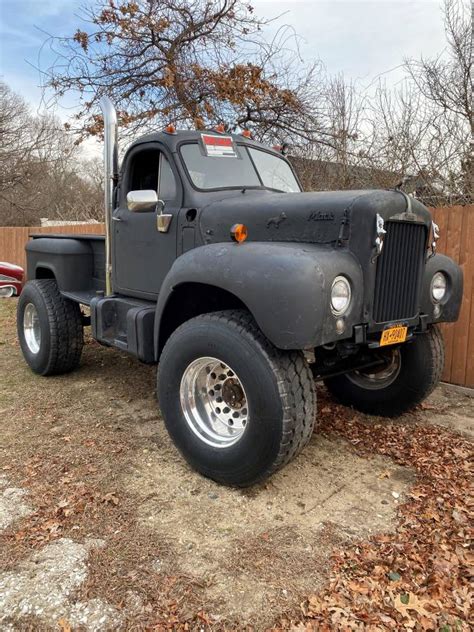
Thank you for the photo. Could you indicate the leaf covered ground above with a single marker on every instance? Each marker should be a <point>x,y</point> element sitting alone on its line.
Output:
<point>420,576</point>
<point>367,530</point>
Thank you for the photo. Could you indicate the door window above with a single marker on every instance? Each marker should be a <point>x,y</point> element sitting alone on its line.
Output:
<point>144,170</point>
<point>150,169</point>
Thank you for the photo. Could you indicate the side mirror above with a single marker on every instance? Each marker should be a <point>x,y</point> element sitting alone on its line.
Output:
<point>142,201</point>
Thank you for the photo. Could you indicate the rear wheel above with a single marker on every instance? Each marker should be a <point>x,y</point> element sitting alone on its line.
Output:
<point>408,376</point>
<point>236,407</point>
<point>49,328</point>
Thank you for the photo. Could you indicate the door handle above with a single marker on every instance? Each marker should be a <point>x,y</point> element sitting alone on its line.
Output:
<point>116,219</point>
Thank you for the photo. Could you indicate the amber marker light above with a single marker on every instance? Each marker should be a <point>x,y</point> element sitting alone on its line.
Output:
<point>239,233</point>
<point>220,128</point>
<point>246,133</point>
<point>170,129</point>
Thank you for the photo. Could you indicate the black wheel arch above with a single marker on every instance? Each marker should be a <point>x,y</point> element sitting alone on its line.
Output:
<point>187,301</point>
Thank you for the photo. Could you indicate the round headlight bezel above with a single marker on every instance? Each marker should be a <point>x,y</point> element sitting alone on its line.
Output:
<point>438,276</point>
<point>338,281</point>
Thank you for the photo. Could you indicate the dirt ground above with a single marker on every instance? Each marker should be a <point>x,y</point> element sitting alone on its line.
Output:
<point>104,526</point>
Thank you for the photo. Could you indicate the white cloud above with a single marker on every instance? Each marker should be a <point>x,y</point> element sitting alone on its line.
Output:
<point>362,39</point>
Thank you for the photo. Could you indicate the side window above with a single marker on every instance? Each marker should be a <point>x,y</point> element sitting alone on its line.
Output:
<point>167,189</point>
<point>144,170</point>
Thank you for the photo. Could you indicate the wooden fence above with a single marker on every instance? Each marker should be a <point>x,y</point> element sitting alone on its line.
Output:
<point>457,241</point>
<point>13,240</point>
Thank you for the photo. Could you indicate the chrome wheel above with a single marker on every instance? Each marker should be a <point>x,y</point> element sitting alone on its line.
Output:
<point>31,328</point>
<point>214,402</point>
<point>379,377</point>
<point>7,291</point>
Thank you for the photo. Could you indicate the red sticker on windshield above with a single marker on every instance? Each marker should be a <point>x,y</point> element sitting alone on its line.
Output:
<point>219,146</point>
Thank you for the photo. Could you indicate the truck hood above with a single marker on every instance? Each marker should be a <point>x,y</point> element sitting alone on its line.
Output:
<point>325,217</point>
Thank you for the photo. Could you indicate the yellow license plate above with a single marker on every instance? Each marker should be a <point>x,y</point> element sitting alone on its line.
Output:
<point>392,335</point>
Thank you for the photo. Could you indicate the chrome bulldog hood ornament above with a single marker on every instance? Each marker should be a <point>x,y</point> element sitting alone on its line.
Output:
<point>434,238</point>
<point>380,232</point>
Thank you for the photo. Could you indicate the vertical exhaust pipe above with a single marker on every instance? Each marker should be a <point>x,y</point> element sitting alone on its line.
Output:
<point>110,180</point>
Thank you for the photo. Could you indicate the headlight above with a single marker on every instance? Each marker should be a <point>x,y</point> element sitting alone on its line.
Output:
<point>340,295</point>
<point>439,285</point>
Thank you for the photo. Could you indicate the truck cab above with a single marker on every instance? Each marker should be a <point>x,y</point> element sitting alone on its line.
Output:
<point>188,172</point>
<point>244,289</point>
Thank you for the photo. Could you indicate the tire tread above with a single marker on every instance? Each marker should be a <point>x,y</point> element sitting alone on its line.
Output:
<point>394,403</point>
<point>295,384</point>
<point>65,328</point>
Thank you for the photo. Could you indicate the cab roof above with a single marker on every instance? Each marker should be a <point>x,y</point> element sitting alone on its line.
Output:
<point>174,140</point>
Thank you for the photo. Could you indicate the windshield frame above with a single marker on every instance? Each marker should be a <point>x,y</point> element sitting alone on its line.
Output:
<point>240,187</point>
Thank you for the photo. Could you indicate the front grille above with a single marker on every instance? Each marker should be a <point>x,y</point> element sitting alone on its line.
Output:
<point>399,267</point>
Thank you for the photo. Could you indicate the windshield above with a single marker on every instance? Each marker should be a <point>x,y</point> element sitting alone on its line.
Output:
<point>274,172</point>
<point>247,167</point>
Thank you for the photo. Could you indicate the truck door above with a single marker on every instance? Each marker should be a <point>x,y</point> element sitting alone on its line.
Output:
<point>142,256</point>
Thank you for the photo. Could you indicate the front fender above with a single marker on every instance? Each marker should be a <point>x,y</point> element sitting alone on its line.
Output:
<point>285,286</point>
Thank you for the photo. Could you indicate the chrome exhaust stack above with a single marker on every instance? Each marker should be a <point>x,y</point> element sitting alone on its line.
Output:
<point>110,180</point>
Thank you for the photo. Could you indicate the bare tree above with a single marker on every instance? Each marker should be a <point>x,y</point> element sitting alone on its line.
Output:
<point>194,62</point>
<point>446,83</point>
<point>23,138</point>
<point>447,80</point>
<point>41,174</point>
<point>343,163</point>
<point>420,132</point>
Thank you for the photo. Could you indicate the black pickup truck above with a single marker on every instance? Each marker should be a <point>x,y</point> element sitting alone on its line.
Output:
<point>245,290</point>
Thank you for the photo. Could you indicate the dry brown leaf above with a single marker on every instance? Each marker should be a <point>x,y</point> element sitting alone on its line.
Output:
<point>358,588</point>
<point>111,498</point>
<point>64,625</point>
<point>413,603</point>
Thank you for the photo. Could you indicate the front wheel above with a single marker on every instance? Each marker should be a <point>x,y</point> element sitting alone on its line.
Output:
<point>236,407</point>
<point>408,376</point>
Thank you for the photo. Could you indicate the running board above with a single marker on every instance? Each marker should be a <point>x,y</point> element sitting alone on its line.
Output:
<point>84,298</point>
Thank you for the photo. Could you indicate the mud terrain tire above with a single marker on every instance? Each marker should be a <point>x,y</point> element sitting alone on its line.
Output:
<point>49,328</point>
<point>421,366</point>
<point>278,387</point>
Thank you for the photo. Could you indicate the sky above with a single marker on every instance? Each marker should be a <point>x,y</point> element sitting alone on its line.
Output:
<point>361,39</point>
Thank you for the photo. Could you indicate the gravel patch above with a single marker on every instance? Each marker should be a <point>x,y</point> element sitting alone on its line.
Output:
<point>42,586</point>
<point>12,503</point>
